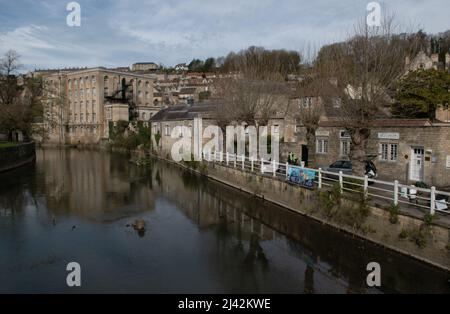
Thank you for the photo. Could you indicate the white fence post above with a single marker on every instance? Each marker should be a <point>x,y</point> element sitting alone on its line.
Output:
<point>395,192</point>
<point>251,161</point>
<point>228,159</point>
<point>243,162</point>
<point>341,182</point>
<point>366,186</point>
<point>320,178</point>
<point>433,200</point>
<point>287,166</point>
<point>234,160</point>
<point>274,168</point>
<point>262,165</point>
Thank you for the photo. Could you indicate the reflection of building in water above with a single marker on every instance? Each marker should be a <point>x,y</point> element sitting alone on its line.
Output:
<point>91,183</point>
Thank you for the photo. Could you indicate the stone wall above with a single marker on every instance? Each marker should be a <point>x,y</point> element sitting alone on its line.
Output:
<point>16,156</point>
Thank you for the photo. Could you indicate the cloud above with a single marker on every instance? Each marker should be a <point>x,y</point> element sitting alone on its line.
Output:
<point>117,33</point>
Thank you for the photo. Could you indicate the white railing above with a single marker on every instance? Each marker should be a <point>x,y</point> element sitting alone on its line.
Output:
<point>394,192</point>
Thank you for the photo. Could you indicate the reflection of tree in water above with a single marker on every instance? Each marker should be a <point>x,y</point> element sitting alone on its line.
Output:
<point>255,254</point>
<point>158,178</point>
<point>16,187</point>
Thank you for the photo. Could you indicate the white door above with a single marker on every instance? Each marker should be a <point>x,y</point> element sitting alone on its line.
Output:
<point>416,171</point>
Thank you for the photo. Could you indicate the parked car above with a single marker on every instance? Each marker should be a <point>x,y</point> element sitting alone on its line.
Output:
<point>346,167</point>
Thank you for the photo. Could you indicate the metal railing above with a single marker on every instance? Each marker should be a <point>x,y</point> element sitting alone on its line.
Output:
<point>394,192</point>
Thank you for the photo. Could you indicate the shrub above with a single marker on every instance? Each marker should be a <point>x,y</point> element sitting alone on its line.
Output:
<point>394,210</point>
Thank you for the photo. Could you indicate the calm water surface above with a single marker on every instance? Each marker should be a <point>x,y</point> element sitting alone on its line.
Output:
<point>201,237</point>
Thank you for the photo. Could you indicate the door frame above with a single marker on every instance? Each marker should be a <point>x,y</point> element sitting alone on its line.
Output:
<point>422,168</point>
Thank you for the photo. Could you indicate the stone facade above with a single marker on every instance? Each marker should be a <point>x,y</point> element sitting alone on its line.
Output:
<point>78,111</point>
<point>408,152</point>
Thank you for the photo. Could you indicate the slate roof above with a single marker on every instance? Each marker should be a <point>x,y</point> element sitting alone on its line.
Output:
<point>185,112</point>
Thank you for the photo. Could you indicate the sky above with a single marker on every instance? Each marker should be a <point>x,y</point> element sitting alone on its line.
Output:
<point>121,32</point>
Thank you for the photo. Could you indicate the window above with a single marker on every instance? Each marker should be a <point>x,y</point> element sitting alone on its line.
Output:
<point>93,80</point>
<point>276,129</point>
<point>345,147</point>
<point>144,116</point>
<point>306,102</point>
<point>94,117</point>
<point>81,117</point>
<point>394,152</point>
<point>94,91</point>
<point>345,142</point>
<point>389,152</point>
<point>167,130</point>
<point>322,146</point>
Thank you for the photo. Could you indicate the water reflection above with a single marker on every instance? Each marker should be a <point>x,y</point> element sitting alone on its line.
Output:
<point>200,236</point>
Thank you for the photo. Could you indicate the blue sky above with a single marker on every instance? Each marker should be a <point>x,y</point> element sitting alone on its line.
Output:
<point>119,33</point>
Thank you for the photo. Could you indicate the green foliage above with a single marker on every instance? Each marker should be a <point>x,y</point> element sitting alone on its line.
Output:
<point>351,213</point>
<point>403,234</point>
<point>131,140</point>
<point>394,210</point>
<point>6,144</point>
<point>420,93</point>
<point>419,234</point>
<point>428,219</point>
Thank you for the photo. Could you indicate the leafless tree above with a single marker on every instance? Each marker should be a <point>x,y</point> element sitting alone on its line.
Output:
<point>309,111</point>
<point>249,102</point>
<point>364,68</point>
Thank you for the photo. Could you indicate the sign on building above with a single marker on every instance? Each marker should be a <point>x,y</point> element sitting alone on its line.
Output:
<point>322,133</point>
<point>389,136</point>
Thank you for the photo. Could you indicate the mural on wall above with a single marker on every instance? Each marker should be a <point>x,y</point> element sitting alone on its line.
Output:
<point>301,176</point>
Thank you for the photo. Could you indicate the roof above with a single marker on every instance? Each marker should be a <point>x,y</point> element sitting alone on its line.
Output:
<point>383,123</point>
<point>185,112</point>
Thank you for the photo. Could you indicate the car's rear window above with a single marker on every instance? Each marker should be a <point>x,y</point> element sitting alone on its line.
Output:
<point>342,164</point>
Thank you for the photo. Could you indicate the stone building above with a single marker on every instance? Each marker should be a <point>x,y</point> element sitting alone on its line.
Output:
<point>167,119</point>
<point>407,150</point>
<point>80,105</point>
<point>145,66</point>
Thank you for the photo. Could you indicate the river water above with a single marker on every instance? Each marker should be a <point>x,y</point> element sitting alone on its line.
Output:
<point>201,236</point>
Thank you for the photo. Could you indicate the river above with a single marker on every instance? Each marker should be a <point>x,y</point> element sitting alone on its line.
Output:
<point>201,236</point>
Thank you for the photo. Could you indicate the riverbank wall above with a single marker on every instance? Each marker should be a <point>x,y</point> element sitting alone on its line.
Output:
<point>428,242</point>
<point>17,156</point>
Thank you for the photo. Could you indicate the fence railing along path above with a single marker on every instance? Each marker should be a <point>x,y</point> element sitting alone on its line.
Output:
<point>430,200</point>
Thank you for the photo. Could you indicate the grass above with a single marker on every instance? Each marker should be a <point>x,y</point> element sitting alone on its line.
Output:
<point>6,144</point>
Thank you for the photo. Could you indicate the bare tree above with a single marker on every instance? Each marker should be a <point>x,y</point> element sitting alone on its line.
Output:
<point>310,93</point>
<point>363,69</point>
<point>250,102</point>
